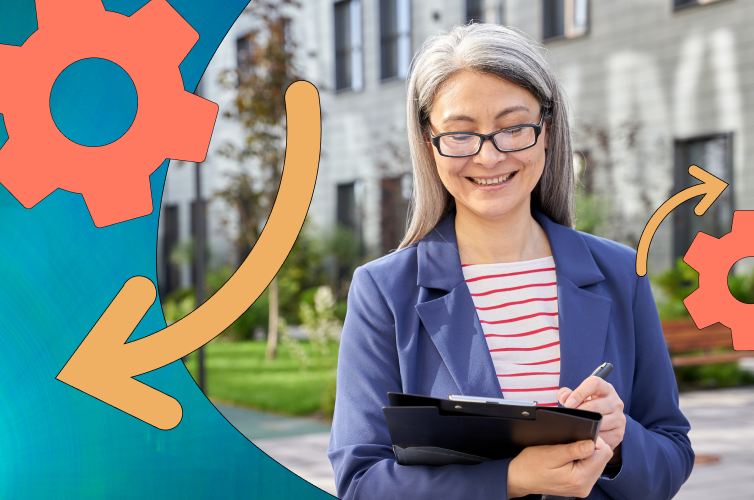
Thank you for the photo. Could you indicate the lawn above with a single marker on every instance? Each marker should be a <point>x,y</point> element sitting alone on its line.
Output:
<point>237,372</point>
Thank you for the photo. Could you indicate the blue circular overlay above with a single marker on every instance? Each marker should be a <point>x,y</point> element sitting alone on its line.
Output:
<point>93,102</point>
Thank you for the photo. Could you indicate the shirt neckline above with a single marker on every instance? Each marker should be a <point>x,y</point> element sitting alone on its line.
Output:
<point>507,265</point>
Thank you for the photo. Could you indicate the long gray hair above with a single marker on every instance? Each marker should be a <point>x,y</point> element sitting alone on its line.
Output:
<point>496,50</point>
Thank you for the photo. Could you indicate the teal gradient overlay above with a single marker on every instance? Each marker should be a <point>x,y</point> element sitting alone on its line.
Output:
<point>58,273</point>
<point>93,102</point>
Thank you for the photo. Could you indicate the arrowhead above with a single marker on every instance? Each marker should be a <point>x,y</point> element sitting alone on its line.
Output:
<point>713,187</point>
<point>103,365</point>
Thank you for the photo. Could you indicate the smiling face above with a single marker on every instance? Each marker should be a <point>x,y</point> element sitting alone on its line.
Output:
<point>489,184</point>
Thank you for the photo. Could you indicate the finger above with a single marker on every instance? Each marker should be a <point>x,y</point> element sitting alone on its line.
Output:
<point>605,405</point>
<point>563,394</point>
<point>592,386</point>
<point>610,421</point>
<point>602,454</point>
<point>613,437</point>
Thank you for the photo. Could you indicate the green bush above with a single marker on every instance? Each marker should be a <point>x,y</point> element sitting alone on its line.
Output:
<point>713,376</point>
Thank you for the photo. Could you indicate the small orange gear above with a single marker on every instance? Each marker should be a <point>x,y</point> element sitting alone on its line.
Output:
<point>114,179</point>
<point>713,258</point>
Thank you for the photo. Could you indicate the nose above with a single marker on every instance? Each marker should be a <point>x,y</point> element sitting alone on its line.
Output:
<point>489,156</point>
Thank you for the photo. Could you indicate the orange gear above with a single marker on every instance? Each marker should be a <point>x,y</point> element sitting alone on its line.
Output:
<point>114,179</point>
<point>713,258</point>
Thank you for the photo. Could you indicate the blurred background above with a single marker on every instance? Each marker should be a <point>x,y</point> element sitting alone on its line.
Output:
<point>653,87</point>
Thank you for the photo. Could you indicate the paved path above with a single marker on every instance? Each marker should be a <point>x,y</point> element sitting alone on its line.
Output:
<point>722,424</point>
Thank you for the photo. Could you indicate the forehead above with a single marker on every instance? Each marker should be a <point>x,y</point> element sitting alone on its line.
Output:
<point>479,95</point>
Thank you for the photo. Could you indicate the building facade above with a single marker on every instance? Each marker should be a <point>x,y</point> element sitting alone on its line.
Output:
<point>653,87</point>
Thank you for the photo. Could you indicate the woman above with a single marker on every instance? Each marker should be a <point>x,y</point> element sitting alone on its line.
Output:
<point>492,292</point>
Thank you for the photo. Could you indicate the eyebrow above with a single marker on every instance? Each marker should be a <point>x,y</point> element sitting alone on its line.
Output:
<point>501,114</point>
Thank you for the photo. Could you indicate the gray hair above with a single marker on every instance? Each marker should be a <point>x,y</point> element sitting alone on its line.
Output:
<point>496,50</point>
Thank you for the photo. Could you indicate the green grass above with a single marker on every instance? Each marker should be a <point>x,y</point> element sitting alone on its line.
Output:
<point>237,372</point>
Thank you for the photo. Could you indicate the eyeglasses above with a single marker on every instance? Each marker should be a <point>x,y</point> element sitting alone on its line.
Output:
<point>507,140</point>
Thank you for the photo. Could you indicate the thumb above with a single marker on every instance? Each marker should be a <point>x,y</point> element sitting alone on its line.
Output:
<point>576,451</point>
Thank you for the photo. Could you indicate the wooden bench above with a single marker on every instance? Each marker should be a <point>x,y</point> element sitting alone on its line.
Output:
<point>682,336</point>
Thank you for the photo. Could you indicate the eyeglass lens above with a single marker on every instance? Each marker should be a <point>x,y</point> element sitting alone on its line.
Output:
<point>464,144</point>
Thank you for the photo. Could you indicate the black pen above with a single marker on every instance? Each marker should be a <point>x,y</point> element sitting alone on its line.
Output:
<point>603,370</point>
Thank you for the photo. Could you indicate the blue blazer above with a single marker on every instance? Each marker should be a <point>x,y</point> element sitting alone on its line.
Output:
<point>412,327</point>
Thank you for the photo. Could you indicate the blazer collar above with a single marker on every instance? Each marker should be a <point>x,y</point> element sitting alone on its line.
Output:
<point>451,321</point>
<point>440,263</point>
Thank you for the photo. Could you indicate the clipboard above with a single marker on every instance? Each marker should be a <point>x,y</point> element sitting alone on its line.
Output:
<point>464,430</point>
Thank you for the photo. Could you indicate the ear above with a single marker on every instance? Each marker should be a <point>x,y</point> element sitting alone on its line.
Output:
<point>430,146</point>
<point>547,133</point>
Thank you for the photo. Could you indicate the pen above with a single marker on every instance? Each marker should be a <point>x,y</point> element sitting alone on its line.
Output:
<point>603,370</point>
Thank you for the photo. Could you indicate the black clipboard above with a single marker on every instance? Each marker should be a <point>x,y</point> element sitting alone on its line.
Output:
<point>435,431</point>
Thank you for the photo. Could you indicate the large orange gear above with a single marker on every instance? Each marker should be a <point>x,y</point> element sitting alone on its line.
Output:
<point>713,258</point>
<point>169,123</point>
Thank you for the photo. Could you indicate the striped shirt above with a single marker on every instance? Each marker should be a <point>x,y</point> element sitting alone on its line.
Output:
<point>518,308</point>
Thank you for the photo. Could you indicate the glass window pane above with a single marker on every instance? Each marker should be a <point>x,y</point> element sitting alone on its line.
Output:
<point>342,45</point>
<point>388,39</point>
<point>713,154</point>
<point>475,11</point>
<point>553,15</point>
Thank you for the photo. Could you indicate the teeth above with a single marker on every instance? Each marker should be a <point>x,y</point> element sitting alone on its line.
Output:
<point>490,182</point>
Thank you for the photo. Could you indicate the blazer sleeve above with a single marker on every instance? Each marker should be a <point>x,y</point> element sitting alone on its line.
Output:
<point>656,451</point>
<point>360,448</point>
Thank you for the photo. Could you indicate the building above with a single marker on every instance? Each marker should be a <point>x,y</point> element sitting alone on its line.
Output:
<point>653,85</point>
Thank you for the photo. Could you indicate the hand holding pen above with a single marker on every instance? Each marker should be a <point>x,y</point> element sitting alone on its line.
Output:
<point>595,394</point>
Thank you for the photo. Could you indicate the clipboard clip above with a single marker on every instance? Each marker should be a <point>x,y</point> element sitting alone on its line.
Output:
<point>500,401</point>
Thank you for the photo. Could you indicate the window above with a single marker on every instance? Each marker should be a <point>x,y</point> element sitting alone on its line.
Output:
<point>564,18</point>
<point>348,205</point>
<point>171,274</point>
<point>681,4</point>
<point>348,65</point>
<point>713,154</point>
<point>475,11</point>
<point>195,214</point>
<point>243,56</point>
<point>396,193</point>
<point>485,11</point>
<point>395,38</point>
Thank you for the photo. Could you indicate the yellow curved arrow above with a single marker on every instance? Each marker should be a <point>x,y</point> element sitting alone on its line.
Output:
<point>711,187</point>
<point>103,365</point>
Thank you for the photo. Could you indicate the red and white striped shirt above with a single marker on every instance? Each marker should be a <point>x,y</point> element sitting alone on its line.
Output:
<point>517,304</point>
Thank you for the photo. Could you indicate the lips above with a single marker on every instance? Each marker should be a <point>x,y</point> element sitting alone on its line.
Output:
<point>492,181</point>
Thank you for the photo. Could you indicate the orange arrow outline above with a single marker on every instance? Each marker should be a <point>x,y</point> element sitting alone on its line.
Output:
<point>104,364</point>
<point>711,187</point>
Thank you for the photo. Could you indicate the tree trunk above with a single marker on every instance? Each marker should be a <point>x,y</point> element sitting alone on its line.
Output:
<point>272,331</point>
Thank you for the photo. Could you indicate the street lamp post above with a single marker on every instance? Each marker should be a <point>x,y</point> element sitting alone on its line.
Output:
<point>199,242</point>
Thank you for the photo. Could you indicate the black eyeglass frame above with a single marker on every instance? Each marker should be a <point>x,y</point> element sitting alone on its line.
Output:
<point>537,130</point>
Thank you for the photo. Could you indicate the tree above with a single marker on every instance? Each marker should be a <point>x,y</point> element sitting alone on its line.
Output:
<point>265,70</point>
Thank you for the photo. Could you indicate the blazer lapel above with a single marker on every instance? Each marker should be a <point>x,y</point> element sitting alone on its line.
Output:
<point>583,316</point>
<point>448,314</point>
<point>447,310</point>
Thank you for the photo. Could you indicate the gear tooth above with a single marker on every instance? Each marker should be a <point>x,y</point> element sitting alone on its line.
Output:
<point>743,220</point>
<point>194,120</point>
<point>697,305</point>
<point>742,334</point>
<point>173,34</point>
<point>702,249</point>
<point>128,199</point>
<point>28,191</point>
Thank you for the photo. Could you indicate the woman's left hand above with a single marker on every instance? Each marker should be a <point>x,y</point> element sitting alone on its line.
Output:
<point>595,394</point>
